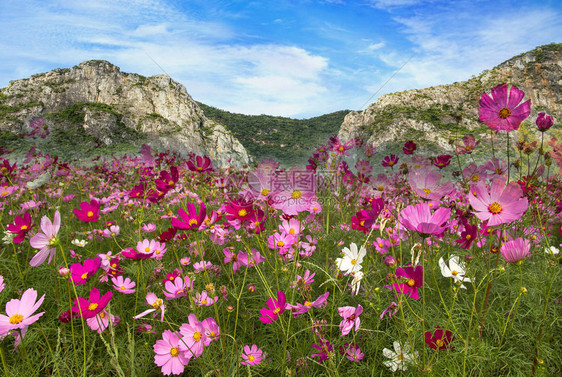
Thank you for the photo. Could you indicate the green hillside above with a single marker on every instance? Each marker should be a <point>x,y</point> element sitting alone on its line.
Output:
<point>289,141</point>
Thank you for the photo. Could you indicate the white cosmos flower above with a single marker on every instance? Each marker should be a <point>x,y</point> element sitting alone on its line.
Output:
<point>356,283</point>
<point>352,259</point>
<point>40,181</point>
<point>455,270</point>
<point>399,357</point>
<point>552,250</point>
<point>79,243</point>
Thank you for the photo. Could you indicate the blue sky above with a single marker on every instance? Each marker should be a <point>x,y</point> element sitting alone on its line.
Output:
<point>297,58</point>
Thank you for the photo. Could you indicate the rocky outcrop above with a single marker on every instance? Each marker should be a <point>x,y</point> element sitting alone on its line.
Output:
<point>111,106</point>
<point>433,116</point>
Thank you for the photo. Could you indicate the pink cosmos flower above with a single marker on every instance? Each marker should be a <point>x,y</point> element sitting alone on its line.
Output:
<point>193,337</point>
<point>157,306</point>
<point>201,266</point>
<point>516,250</point>
<point>304,308</point>
<point>178,288</point>
<point>350,318</point>
<point>20,312</point>
<point>391,310</point>
<point>420,219</point>
<point>212,330</point>
<point>148,228</point>
<point>324,347</point>
<point>251,355</point>
<point>502,204</point>
<point>44,241</point>
<point>168,354</point>
<point>426,183</point>
<point>303,282</point>
<point>2,284</point>
<point>113,231</point>
<point>409,147</point>
<point>90,308</point>
<point>274,308</point>
<point>442,161</point>
<point>203,164</point>
<point>502,111</point>
<point>237,259</point>
<point>353,353</point>
<point>414,280</point>
<point>469,144</point>
<point>126,286</point>
<point>88,212</point>
<point>101,321</point>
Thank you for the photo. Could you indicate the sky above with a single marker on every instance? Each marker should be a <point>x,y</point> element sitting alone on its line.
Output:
<point>296,58</point>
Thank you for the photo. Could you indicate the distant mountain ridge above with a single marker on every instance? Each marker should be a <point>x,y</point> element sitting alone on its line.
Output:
<point>429,116</point>
<point>94,107</point>
<point>290,141</point>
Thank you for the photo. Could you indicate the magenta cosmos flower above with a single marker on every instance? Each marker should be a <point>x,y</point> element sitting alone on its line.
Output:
<point>168,354</point>
<point>420,219</point>
<point>440,339</point>
<point>20,227</point>
<point>390,160</point>
<point>88,212</point>
<point>274,308</point>
<point>190,220</point>
<point>20,312</point>
<point>503,111</point>
<point>516,250</point>
<point>413,278</point>
<point>544,122</point>
<point>502,204</point>
<point>409,147</point>
<point>89,308</point>
<point>44,241</point>
<point>81,272</point>
<point>252,355</point>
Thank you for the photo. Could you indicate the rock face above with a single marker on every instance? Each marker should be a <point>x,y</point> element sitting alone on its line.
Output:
<point>111,106</point>
<point>432,116</point>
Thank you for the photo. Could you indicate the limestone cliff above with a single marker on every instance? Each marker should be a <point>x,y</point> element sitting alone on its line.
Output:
<point>98,101</point>
<point>432,116</point>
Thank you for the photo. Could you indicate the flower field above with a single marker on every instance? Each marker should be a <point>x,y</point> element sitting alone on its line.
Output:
<point>159,264</point>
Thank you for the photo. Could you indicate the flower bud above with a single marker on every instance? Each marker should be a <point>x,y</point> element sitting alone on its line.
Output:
<point>64,271</point>
<point>390,261</point>
<point>544,122</point>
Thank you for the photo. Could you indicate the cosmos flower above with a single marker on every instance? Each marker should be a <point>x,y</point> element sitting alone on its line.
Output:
<point>303,308</point>
<point>409,147</point>
<point>90,308</point>
<point>20,227</point>
<point>502,204</point>
<point>19,313</point>
<point>193,337</point>
<point>126,286</point>
<point>168,354</point>
<point>350,319</point>
<point>88,212</point>
<point>544,122</point>
<point>516,250</point>
<point>455,270</point>
<point>324,347</point>
<point>414,280</point>
<point>190,220</point>
<point>274,308</point>
<point>390,161</point>
<point>440,339</point>
<point>503,111</point>
<point>399,357</point>
<point>157,306</point>
<point>252,355</point>
<point>352,259</point>
<point>45,240</point>
<point>100,322</point>
<point>420,219</point>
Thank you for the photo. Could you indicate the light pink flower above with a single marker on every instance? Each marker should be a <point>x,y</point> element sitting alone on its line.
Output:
<point>350,318</point>
<point>20,312</point>
<point>101,321</point>
<point>157,305</point>
<point>252,355</point>
<point>46,240</point>
<point>178,288</point>
<point>516,250</point>
<point>193,337</point>
<point>126,285</point>
<point>168,354</point>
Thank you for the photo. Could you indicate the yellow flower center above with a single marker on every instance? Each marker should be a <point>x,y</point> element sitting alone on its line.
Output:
<point>102,315</point>
<point>504,113</point>
<point>291,231</point>
<point>122,287</point>
<point>411,282</point>
<point>84,275</point>
<point>5,193</point>
<point>427,191</point>
<point>468,236</point>
<point>362,223</point>
<point>454,272</point>
<point>439,343</point>
<point>157,304</point>
<point>308,303</point>
<point>23,227</point>
<point>264,192</point>
<point>90,214</point>
<point>280,243</point>
<point>171,183</point>
<point>212,334</point>
<point>251,358</point>
<point>277,310</point>
<point>146,249</point>
<point>242,213</point>
<point>93,306</point>
<point>400,356</point>
<point>15,319</point>
<point>495,208</point>
<point>381,188</point>
<point>174,351</point>
<point>197,336</point>
<point>192,222</point>
<point>296,194</point>
<point>353,261</point>
<point>203,302</point>
<point>475,178</point>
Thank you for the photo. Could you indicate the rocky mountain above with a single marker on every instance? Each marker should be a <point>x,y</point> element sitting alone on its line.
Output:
<point>94,107</point>
<point>434,116</point>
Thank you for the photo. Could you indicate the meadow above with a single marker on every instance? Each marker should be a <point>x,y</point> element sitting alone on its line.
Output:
<point>160,264</point>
